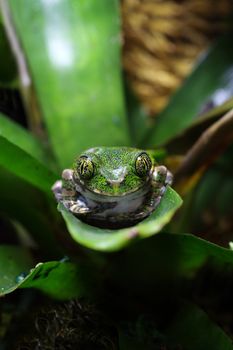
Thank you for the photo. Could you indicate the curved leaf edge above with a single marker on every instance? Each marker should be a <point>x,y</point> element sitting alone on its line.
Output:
<point>107,240</point>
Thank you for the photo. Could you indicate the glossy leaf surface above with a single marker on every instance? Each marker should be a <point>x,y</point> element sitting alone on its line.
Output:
<point>22,164</point>
<point>188,328</point>
<point>73,52</point>
<point>111,240</point>
<point>8,69</point>
<point>212,73</point>
<point>13,261</point>
<point>163,262</point>
<point>183,141</point>
<point>22,138</point>
<point>59,279</point>
<point>138,118</point>
<point>218,208</point>
<point>23,203</point>
<point>193,329</point>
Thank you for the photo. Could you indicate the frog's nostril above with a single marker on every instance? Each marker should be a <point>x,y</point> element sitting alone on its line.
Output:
<point>116,182</point>
<point>116,176</point>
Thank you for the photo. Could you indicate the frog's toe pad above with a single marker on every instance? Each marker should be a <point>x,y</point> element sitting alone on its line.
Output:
<point>169,178</point>
<point>79,208</point>
<point>57,188</point>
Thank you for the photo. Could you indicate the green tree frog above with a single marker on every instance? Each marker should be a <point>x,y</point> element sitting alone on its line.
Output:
<point>112,187</point>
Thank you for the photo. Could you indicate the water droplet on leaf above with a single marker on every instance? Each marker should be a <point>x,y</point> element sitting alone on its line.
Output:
<point>21,277</point>
<point>64,259</point>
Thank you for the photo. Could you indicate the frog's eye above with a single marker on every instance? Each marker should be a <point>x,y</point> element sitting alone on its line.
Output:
<point>85,168</point>
<point>143,164</point>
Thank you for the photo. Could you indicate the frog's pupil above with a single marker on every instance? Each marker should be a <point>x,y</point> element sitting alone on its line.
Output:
<point>143,165</point>
<point>85,168</point>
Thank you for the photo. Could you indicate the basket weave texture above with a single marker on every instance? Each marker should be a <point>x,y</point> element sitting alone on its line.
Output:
<point>162,40</point>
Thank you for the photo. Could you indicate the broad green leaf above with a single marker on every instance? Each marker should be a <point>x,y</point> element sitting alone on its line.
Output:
<point>210,74</point>
<point>192,329</point>
<point>22,138</point>
<point>218,203</point>
<point>8,68</point>
<point>23,203</point>
<point>13,261</point>
<point>186,327</point>
<point>22,164</point>
<point>217,111</point>
<point>59,279</point>
<point>139,121</point>
<point>165,262</point>
<point>112,240</point>
<point>183,141</point>
<point>73,52</point>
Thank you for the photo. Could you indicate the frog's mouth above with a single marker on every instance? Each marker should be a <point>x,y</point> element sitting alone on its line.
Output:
<point>114,196</point>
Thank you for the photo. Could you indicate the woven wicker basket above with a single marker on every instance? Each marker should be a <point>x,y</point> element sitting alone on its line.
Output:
<point>162,40</point>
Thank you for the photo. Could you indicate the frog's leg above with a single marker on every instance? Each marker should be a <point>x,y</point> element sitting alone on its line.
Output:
<point>161,178</point>
<point>65,192</point>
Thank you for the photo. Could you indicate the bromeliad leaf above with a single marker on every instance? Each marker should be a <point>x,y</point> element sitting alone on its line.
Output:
<point>112,240</point>
<point>8,68</point>
<point>193,329</point>
<point>183,141</point>
<point>165,261</point>
<point>59,279</point>
<point>22,164</point>
<point>17,135</point>
<point>211,73</point>
<point>74,46</point>
<point>188,328</point>
<point>27,205</point>
<point>13,261</point>
<point>137,116</point>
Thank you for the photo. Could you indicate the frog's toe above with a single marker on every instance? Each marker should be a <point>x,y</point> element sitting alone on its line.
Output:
<point>169,178</point>
<point>67,174</point>
<point>159,191</point>
<point>159,176</point>
<point>154,202</point>
<point>57,190</point>
<point>79,208</point>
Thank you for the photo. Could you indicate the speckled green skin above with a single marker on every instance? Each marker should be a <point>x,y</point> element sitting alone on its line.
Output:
<point>111,164</point>
<point>115,195</point>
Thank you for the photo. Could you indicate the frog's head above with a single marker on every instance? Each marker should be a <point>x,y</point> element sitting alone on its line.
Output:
<point>113,171</point>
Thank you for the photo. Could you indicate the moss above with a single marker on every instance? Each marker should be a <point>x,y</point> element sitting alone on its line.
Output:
<point>68,326</point>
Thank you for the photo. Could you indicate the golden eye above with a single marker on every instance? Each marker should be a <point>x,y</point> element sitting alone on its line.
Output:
<point>143,164</point>
<point>85,168</point>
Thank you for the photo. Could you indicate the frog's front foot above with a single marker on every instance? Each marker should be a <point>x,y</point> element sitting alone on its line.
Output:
<point>65,192</point>
<point>78,207</point>
<point>161,178</point>
<point>64,188</point>
<point>57,190</point>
